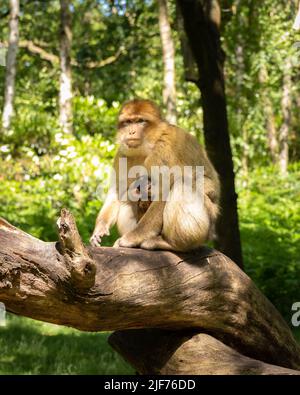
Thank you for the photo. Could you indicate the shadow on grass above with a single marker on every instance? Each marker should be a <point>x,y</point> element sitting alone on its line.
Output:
<point>31,347</point>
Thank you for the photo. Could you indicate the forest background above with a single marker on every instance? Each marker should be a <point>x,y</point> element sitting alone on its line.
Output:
<point>69,67</point>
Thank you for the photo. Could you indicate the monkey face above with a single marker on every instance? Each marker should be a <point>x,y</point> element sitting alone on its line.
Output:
<point>131,132</point>
<point>135,120</point>
<point>140,189</point>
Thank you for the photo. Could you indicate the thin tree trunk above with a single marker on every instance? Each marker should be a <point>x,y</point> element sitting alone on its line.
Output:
<point>245,155</point>
<point>169,91</point>
<point>296,24</point>
<point>268,110</point>
<point>13,41</point>
<point>239,94</point>
<point>240,72</point>
<point>65,94</point>
<point>286,121</point>
<point>201,21</point>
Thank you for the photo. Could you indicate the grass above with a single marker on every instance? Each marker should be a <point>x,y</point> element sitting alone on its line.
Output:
<point>33,347</point>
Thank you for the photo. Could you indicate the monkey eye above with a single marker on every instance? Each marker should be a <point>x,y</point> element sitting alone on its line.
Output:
<point>141,120</point>
<point>124,124</point>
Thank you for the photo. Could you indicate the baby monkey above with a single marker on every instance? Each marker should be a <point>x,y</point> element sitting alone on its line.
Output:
<point>142,192</point>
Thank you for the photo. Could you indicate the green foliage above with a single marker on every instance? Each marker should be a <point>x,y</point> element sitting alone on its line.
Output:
<point>35,188</point>
<point>259,37</point>
<point>269,209</point>
<point>93,116</point>
<point>33,347</point>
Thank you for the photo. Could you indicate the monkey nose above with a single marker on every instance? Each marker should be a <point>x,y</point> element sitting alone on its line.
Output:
<point>131,132</point>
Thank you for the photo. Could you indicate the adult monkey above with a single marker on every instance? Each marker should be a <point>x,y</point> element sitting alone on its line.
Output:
<point>146,139</point>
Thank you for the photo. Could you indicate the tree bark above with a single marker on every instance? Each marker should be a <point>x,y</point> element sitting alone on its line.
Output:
<point>156,351</point>
<point>11,58</point>
<point>65,93</point>
<point>286,118</point>
<point>191,73</point>
<point>169,91</point>
<point>203,310</point>
<point>202,21</point>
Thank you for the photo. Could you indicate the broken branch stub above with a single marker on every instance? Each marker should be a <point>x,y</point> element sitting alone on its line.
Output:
<point>81,266</point>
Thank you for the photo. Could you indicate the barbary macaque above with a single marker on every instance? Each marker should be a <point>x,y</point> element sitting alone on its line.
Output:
<point>180,222</point>
<point>142,191</point>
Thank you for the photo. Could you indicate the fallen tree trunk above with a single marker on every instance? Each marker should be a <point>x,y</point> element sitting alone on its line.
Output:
<point>202,294</point>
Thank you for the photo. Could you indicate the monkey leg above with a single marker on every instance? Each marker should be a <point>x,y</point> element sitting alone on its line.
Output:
<point>148,227</point>
<point>156,243</point>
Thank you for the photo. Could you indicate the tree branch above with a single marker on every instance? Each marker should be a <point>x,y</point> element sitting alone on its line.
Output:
<point>81,266</point>
<point>96,289</point>
<point>54,59</point>
<point>156,351</point>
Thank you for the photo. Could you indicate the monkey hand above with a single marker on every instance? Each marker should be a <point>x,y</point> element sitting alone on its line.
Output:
<point>102,229</point>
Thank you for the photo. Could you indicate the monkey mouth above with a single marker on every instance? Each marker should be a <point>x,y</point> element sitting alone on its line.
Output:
<point>133,143</point>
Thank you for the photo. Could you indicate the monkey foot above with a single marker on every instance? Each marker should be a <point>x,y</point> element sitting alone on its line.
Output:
<point>124,242</point>
<point>156,243</point>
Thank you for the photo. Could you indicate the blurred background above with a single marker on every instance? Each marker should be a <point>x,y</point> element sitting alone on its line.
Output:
<point>66,67</point>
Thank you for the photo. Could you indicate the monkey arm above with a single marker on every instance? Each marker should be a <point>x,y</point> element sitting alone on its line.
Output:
<point>109,213</point>
<point>106,218</point>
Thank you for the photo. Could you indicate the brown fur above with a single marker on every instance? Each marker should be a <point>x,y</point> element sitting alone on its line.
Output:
<point>146,139</point>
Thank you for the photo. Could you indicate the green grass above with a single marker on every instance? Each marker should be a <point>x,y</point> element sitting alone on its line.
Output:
<point>33,347</point>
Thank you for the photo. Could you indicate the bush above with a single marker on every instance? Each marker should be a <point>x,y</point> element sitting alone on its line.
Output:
<point>34,189</point>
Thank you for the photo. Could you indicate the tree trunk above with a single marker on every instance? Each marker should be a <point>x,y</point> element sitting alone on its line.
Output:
<point>10,77</point>
<point>268,110</point>
<point>240,70</point>
<point>169,91</point>
<point>156,351</point>
<point>296,24</point>
<point>286,118</point>
<point>191,73</point>
<point>201,21</point>
<point>205,314</point>
<point>65,93</point>
<point>239,84</point>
